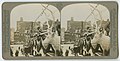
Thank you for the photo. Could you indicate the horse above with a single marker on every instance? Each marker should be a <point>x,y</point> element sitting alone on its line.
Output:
<point>53,38</point>
<point>50,38</point>
<point>103,41</point>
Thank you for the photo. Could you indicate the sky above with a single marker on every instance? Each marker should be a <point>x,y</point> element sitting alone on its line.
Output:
<point>30,12</point>
<point>81,11</point>
<point>78,11</point>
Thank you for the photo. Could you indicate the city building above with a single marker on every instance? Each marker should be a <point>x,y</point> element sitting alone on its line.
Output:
<point>19,37</point>
<point>23,26</point>
<point>73,25</point>
<point>75,29</point>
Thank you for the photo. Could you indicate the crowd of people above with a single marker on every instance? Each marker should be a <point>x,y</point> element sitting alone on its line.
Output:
<point>41,42</point>
<point>92,43</point>
<point>47,43</point>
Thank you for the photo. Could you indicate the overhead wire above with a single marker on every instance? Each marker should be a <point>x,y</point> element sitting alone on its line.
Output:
<point>41,13</point>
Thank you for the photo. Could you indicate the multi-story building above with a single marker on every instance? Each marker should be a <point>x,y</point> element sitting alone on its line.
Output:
<point>22,26</point>
<point>74,29</point>
<point>19,37</point>
<point>73,25</point>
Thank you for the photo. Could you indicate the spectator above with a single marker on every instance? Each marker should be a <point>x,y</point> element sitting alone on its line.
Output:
<point>16,53</point>
<point>11,52</point>
<point>66,53</point>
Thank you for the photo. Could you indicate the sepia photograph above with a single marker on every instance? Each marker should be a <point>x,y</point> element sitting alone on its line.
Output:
<point>53,30</point>
<point>85,30</point>
<point>35,30</point>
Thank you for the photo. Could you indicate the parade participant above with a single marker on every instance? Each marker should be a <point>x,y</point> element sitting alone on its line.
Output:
<point>76,48</point>
<point>58,28</point>
<point>31,44</point>
<point>89,31</point>
<point>27,35</point>
<point>39,40</point>
<point>34,44</point>
<point>88,37</point>
<point>45,26</point>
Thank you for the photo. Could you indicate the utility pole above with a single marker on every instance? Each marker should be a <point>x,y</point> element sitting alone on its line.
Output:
<point>82,27</point>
